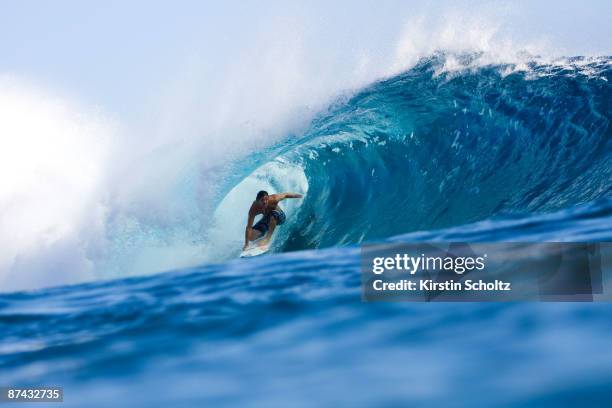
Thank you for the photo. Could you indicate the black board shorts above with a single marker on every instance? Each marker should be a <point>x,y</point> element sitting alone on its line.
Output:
<point>264,224</point>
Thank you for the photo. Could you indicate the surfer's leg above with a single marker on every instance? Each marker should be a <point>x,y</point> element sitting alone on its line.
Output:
<point>271,227</point>
<point>254,234</point>
<point>258,230</point>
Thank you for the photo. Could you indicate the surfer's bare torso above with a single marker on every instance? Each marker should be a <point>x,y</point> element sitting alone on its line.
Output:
<point>258,208</point>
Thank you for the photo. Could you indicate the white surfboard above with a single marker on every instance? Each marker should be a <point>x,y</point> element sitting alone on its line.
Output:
<point>254,250</point>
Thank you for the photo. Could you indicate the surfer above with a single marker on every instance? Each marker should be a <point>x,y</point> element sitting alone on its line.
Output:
<point>273,215</point>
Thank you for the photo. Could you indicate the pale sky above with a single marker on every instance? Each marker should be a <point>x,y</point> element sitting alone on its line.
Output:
<point>122,54</point>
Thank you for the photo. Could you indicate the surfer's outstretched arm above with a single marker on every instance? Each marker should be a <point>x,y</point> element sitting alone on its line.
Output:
<point>282,196</point>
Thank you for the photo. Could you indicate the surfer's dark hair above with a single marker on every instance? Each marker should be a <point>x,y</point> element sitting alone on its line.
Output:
<point>261,194</point>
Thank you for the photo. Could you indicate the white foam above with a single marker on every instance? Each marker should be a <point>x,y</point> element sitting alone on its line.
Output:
<point>53,162</point>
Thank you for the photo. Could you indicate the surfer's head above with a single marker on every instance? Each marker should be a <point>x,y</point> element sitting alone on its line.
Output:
<point>262,197</point>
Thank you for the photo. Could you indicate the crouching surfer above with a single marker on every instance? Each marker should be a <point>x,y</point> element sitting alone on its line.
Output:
<point>273,215</point>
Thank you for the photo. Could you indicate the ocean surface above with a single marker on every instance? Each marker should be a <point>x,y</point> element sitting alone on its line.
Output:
<point>442,152</point>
